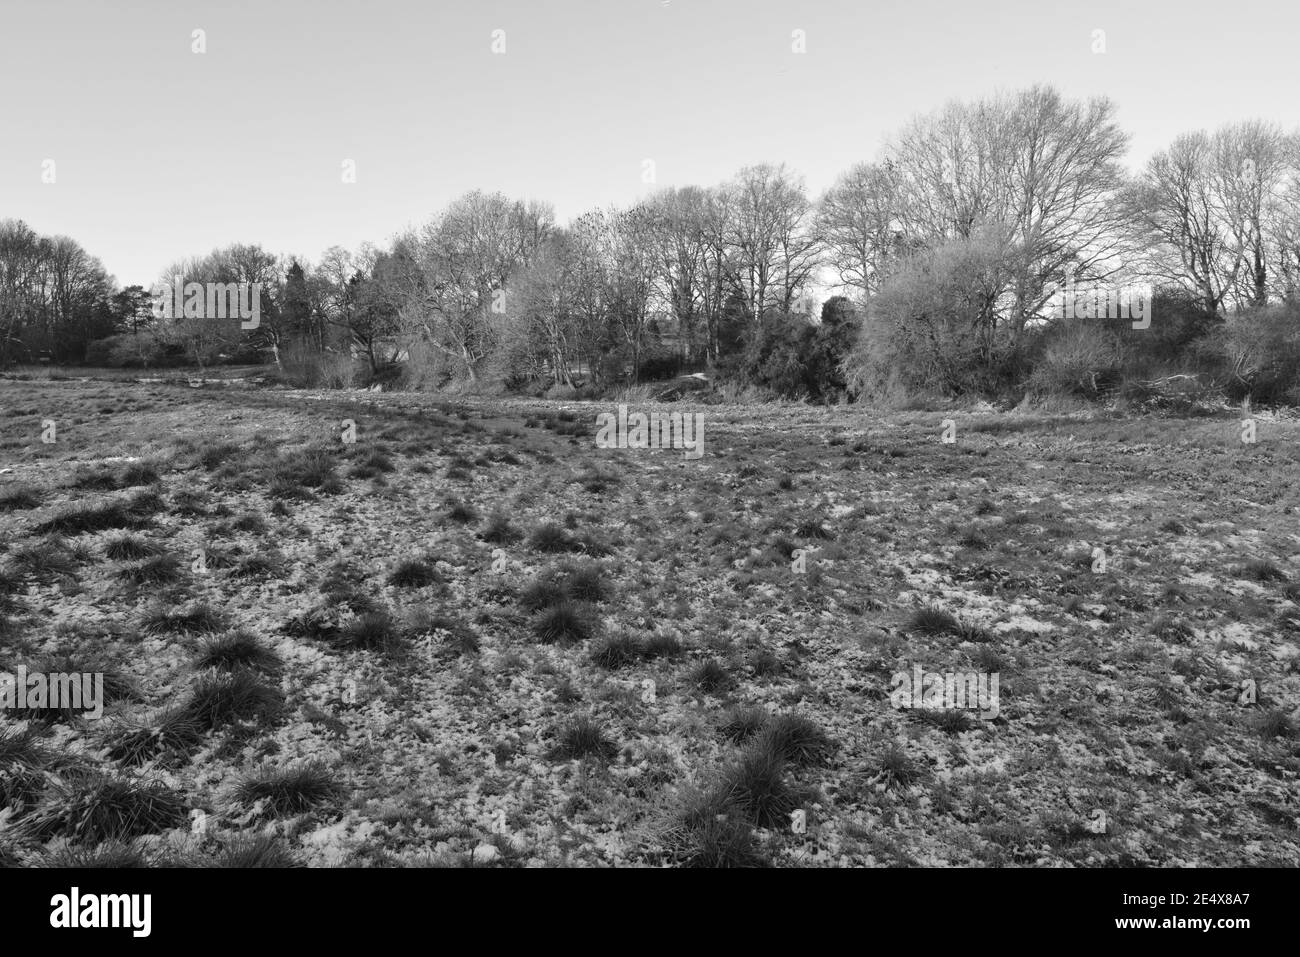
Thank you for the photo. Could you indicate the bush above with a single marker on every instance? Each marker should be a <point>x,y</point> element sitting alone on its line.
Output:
<point>1080,358</point>
<point>306,367</point>
<point>1258,354</point>
<point>934,329</point>
<point>129,350</point>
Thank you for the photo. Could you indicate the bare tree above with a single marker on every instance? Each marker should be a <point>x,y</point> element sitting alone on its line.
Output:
<point>773,247</point>
<point>1045,168</point>
<point>857,220</point>
<point>467,255</point>
<point>1215,213</point>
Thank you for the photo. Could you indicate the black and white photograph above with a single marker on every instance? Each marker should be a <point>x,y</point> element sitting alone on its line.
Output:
<point>650,435</point>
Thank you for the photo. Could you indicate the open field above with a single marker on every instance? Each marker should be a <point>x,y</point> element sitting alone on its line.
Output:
<point>473,637</point>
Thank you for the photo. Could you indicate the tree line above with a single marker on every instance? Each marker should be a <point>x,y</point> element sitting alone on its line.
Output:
<point>946,253</point>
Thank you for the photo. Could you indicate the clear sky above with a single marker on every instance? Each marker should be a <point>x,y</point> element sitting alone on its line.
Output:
<point>162,153</point>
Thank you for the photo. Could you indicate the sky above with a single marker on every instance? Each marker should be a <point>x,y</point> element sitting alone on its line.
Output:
<point>162,153</point>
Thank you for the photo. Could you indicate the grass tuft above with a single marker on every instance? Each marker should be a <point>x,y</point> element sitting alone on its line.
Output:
<point>562,624</point>
<point>286,791</point>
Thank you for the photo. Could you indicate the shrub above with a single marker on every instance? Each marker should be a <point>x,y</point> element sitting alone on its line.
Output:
<point>1258,352</point>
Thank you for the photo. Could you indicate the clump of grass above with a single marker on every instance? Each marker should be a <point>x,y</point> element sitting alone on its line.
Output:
<point>1261,570</point>
<point>584,582</point>
<point>710,675</point>
<point>589,543</point>
<point>783,548</point>
<point>755,785</point>
<point>932,620</point>
<point>132,512</point>
<point>127,547</point>
<point>595,481</point>
<point>113,683</point>
<point>134,745</point>
<point>98,808</point>
<point>217,699</point>
<point>44,561</point>
<point>255,566</point>
<point>551,538</point>
<point>252,522</point>
<point>765,663</point>
<point>1172,630</point>
<point>315,624</point>
<point>562,624</point>
<point>306,470</point>
<point>499,531</point>
<point>896,767</point>
<point>158,570</point>
<point>662,645</point>
<point>458,637</point>
<point>260,851</point>
<point>811,530</point>
<point>189,502</point>
<point>212,455</point>
<point>582,738</point>
<point>221,698</point>
<point>796,739</point>
<point>373,630</point>
<point>11,583</point>
<point>952,721</point>
<point>461,512</point>
<point>24,764</point>
<point>414,573</point>
<point>143,472</point>
<point>145,504</point>
<point>616,651</point>
<point>86,478</point>
<point>19,498</point>
<point>114,855</point>
<point>286,791</point>
<point>350,596</point>
<point>968,631</point>
<point>375,462</point>
<point>709,833</point>
<point>741,723</point>
<point>196,618</point>
<point>286,488</point>
<point>1274,723</point>
<point>237,649</point>
<point>543,593</point>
